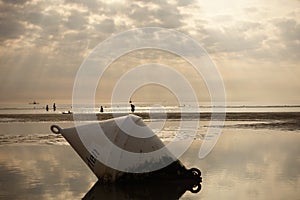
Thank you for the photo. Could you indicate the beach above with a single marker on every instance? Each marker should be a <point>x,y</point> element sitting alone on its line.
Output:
<point>212,86</point>
<point>256,157</point>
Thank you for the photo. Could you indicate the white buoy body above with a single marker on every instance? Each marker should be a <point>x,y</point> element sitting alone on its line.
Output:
<point>108,147</point>
<point>115,131</point>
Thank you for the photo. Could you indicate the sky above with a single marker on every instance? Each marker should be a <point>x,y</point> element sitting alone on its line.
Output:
<point>255,45</point>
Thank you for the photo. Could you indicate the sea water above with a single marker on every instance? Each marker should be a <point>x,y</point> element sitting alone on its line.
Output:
<point>253,159</point>
<point>140,108</point>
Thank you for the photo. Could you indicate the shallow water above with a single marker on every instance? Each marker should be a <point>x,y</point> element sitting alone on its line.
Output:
<point>246,163</point>
<point>250,164</point>
<point>143,107</point>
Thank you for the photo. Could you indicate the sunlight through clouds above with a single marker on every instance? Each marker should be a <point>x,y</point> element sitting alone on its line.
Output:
<point>50,39</point>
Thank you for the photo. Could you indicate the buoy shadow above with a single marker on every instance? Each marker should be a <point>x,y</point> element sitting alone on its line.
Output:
<point>154,190</point>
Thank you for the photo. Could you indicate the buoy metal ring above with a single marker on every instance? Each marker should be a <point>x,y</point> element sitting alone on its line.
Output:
<point>196,188</point>
<point>55,129</point>
<point>195,171</point>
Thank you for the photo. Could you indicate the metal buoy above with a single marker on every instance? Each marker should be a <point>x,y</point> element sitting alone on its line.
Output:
<point>120,137</point>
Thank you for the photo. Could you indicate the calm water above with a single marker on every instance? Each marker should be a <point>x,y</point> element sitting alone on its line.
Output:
<point>141,107</point>
<point>248,162</point>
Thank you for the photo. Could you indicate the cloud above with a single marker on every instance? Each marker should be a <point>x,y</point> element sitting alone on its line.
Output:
<point>251,9</point>
<point>15,1</point>
<point>49,38</point>
<point>76,21</point>
<point>282,43</point>
<point>106,26</point>
<point>156,13</point>
<point>289,38</point>
<point>10,29</point>
<point>289,29</point>
<point>91,5</point>
<point>233,38</point>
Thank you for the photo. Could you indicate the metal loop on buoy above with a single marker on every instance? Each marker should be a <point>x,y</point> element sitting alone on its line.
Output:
<point>196,188</point>
<point>195,171</point>
<point>55,129</point>
<point>196,176</point>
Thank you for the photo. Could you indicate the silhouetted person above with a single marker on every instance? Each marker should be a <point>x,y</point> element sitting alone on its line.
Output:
<point>54,107</point>
<point>132,107</point>
<point>47,108</point>
<point>101,109</point>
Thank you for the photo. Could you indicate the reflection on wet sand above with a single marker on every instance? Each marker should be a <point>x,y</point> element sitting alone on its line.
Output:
<point>158,190</point>
<point>33,171</point>
<point>245,164</point>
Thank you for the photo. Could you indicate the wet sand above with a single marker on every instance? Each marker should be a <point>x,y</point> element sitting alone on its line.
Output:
<point>255,158</point>
<point>245,164</point>
<point>282,120</point>
<point>239,116</point>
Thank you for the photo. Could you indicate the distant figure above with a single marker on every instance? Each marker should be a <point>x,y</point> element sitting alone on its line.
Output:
<point>47,108</point>
<point>101,109</point>
<point>54,107</point>
<point>132,107</point>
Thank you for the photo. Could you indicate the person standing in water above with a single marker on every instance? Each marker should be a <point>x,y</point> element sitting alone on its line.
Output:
<point>132,107</point>
<point>54,107</point>
<point>47,108</point>
<point>101,109</point>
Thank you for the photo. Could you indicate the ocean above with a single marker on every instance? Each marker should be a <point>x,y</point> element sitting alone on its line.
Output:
<point>141,108</point>
<point>256,157</point>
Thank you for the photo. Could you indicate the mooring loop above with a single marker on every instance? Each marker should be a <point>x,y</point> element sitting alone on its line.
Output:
<point>55,129</point>
<point>196,188</point>
<point>195,172</point>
